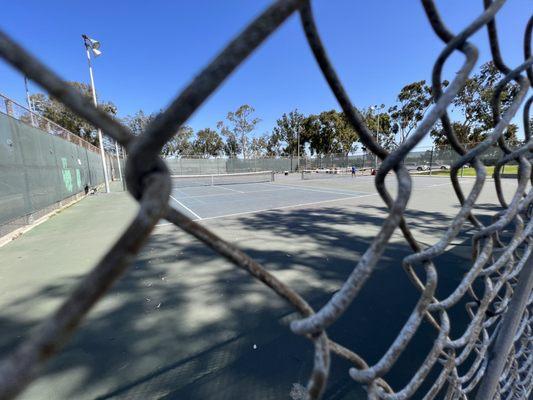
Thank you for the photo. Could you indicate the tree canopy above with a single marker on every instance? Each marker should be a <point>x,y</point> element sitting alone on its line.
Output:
<point>329,132</point>
<point>179,144</point>
<point>411,105</point>
<point>323,133</point>
<point>287,130</point>
<point>241,124</point>
<point>208,143</point>
<point>473,106</point>
<point>55,111</point>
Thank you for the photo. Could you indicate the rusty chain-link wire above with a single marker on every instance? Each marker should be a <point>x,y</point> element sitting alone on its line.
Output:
<point>494,354</point>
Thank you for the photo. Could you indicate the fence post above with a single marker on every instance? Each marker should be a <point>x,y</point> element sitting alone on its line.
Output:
<point>89,174</point>
<point>117,150</point>
<point>431,161</point>
<point>507,330</point>
<point>9,107</point>
<point>291,162</point>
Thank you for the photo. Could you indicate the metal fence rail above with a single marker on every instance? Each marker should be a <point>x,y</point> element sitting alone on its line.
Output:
<point>43,166</point>
<point>498,262</point>
<point>21,113</point>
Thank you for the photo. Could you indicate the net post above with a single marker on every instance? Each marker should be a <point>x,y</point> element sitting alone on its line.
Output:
<point>507,330</point>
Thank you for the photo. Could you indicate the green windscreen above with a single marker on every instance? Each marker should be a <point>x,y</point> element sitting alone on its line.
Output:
<point>38,170</point>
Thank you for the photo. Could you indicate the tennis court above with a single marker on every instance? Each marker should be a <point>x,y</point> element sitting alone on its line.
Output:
<point>234,194</point>
<point>204,197</point>
<point>184,324</point>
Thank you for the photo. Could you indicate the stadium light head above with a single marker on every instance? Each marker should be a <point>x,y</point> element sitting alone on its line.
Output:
<point>92,44</point>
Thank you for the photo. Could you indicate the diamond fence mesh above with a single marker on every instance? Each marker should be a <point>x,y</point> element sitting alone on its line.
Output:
<point>433,157</point>
<point>493,355</point>
<point>23,114</point>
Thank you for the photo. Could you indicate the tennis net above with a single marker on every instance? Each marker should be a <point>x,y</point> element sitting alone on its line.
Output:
<point>325,173</point>
<point>222,179</point>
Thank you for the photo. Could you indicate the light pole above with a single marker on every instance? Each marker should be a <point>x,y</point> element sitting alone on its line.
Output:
<point>117,151</point>
<point>298,152</point>
<point>28,100</point>
<point>381,107</point>
<point>92,45</point>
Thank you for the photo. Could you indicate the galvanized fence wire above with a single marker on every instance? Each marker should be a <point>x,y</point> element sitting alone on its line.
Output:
<point>481,359</point>
<point>427,158</point>
<point>21,113</point>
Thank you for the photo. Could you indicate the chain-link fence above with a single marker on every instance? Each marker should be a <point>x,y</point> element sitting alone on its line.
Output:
<point>428,158</point>
<point>190,165</point>
<point>112,163</point>
<point>23,114</point>
<point>196,166</point>
<point>42,166</point>
<point>276,164</point>
<point>432,157</point>
<point>489,357</point>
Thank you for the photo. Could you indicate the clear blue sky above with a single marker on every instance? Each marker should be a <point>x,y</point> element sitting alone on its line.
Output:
<point>152,49</point>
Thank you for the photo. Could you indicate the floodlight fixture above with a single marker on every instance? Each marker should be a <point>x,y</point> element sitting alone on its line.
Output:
<point>92,44</point>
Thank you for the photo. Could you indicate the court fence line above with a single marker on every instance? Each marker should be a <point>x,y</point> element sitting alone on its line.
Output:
<point>436,156</point>
<point>23,114</point>
<point>501,250</point>
<point>43,167</point>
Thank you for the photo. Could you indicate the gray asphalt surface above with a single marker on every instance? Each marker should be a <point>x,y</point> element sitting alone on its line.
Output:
<point>185,324</point>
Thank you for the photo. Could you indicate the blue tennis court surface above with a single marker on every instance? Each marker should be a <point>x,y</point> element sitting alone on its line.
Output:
<point>208,202</point>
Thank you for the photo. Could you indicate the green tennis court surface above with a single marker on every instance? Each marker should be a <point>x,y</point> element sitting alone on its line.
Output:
<point>184,324</point>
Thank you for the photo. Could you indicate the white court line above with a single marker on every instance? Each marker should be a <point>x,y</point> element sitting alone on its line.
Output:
<point>290,206</point>
<point>233,190</point>
<point>177,191</point>
<point>315,189</point>
<point>231,194</point>
<point>278,208</point>
<point>437,184</point>
<point>198,218</point>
